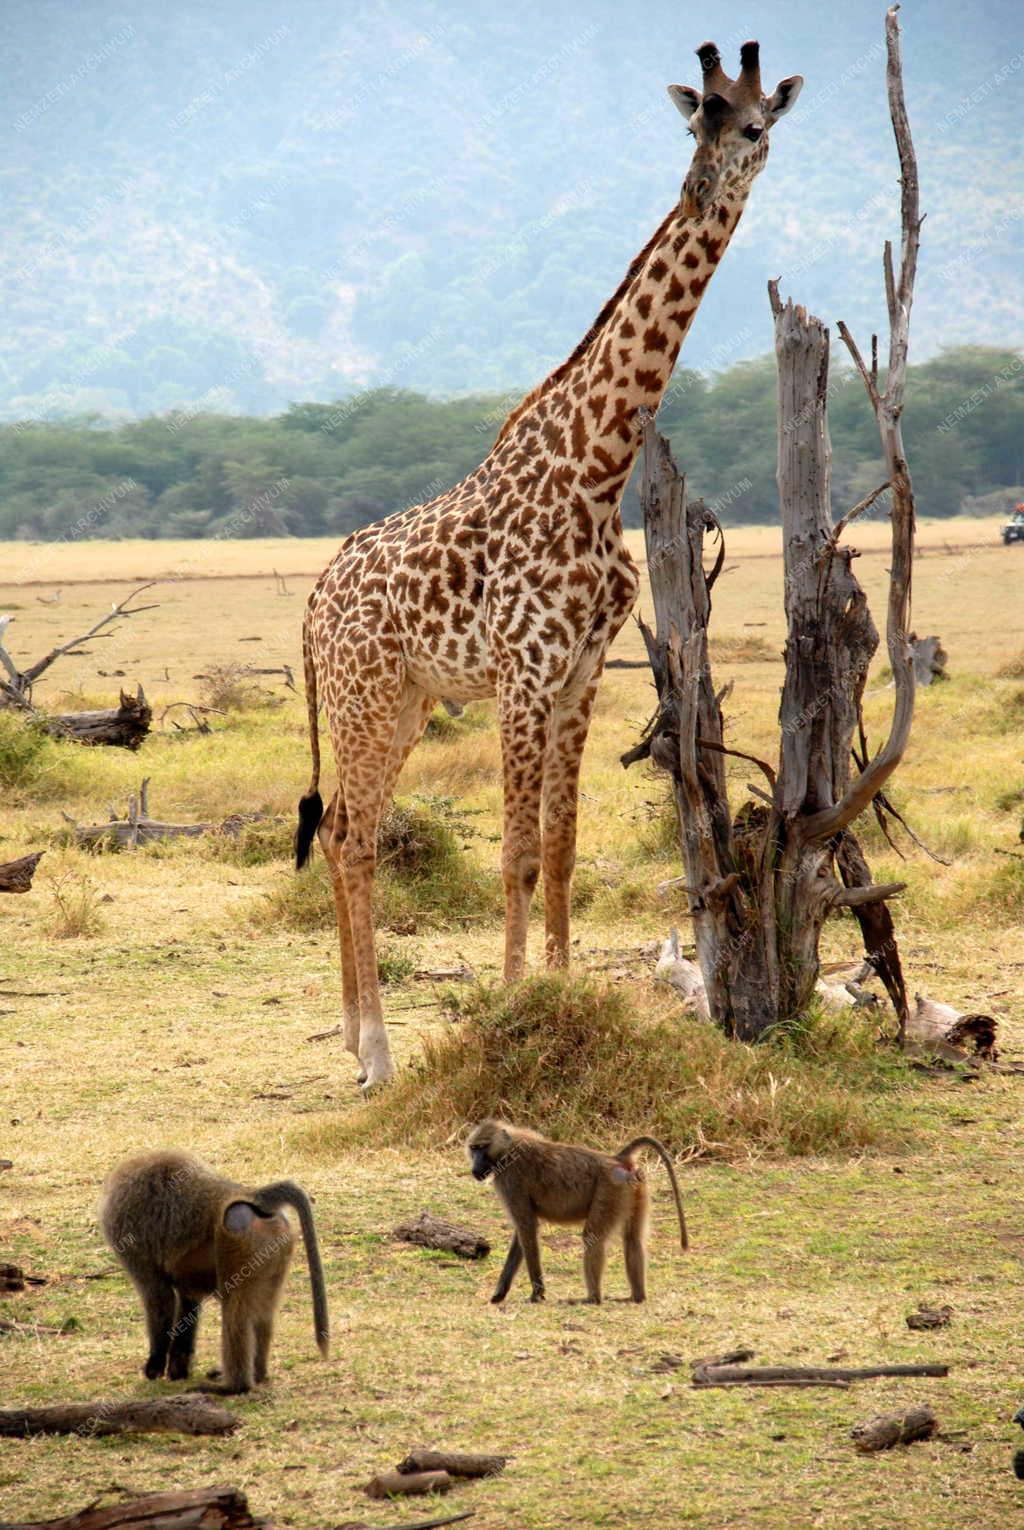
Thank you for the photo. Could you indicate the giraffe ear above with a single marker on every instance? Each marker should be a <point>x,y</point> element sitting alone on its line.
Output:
<point>686,98</point>
<point>783,97</point>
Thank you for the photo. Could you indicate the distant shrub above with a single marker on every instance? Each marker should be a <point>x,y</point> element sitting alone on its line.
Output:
<point>235,688</point>
<point>25,751</point>
<point>255,844</point>
<point>75,910</point>
<point>573,1057</point>
<point>1012,668</point>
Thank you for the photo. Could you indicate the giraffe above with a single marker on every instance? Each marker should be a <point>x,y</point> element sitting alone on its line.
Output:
<point>514,583</point>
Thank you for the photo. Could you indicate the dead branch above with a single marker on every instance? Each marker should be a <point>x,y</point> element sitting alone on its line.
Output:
<point>121,727</point>
<point>888,410</point>
<point>939,1030</point>
<point>17,689</point>
<point>712,1372</point>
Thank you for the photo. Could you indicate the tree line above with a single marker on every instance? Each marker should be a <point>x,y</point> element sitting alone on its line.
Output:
<point>326,469</point>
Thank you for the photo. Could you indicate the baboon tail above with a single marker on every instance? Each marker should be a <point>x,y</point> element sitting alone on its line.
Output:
<point>286,1193</point>
<point>663,1154</point>
<point>311,807</point>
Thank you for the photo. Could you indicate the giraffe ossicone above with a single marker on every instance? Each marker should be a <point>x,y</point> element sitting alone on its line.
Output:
<point>514,583</point>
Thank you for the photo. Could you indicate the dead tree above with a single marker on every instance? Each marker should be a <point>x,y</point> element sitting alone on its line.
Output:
<point>16,689</point>
<point>761,885</point>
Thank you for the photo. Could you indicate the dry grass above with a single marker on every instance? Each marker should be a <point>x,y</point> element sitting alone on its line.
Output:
<point>583,1059</point>
<point>181,1024</point>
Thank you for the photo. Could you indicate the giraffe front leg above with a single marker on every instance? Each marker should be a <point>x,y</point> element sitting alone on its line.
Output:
<point>525,723</point>
<point>569,727</point>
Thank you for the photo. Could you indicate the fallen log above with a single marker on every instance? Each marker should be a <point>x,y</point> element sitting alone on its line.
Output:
<point>723,1371</point>
<point>429,1231</point>
<point>387,1484</point>
<point>120,727</point>
<point>212,1508</point>
<point>138,828</point>
<point>188,1413</point>
<point>890,1429</point>
<point>456,1463</point>
<point>16,876</point>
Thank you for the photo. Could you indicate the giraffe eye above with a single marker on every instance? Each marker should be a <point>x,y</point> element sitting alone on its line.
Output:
<point>753,133</point>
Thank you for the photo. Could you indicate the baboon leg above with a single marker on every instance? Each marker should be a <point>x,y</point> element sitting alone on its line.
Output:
<point>331,833</point>
<point>263,1332</point>
<point>526,1227</point>
<point>157,1293</point>
<point>634,1244</point>
<point>237,1343</point>
<point>525,720</point>
<point>183,1338</point>
<point>596,1230</point>
<point>509,1270</point>
<point>569,727</point>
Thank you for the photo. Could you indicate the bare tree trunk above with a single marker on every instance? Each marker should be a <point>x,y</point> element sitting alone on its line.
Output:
<point>761,885</point>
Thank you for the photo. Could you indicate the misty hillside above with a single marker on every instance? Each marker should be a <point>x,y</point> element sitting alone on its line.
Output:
<point>250,203</point>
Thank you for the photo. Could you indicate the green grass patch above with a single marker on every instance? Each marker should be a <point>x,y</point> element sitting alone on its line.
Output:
<point>425,877</point>
<point>575,1057</point>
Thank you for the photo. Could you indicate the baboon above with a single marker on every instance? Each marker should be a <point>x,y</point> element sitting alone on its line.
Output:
<point>558,1182</point>
<point>184,1233</point>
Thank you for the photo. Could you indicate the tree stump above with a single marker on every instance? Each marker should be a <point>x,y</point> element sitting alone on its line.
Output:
<point>16,876</point>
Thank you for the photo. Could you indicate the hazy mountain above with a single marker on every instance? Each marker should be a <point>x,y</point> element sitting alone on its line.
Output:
<point>247,203</point>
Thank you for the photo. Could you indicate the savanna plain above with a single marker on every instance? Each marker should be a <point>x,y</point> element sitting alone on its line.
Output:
<point>167,996</point>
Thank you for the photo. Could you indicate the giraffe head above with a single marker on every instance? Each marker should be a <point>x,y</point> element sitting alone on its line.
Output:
<point>730,120</point>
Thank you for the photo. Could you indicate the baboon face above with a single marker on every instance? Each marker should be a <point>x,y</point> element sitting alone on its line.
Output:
<point>487,1143</point>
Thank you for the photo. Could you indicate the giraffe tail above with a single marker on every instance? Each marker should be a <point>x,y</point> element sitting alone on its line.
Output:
<point>311,807</point>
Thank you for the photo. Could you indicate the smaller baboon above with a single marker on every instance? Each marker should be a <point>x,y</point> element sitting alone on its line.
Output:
<point>539,1180</point>
<point>184,1233</point>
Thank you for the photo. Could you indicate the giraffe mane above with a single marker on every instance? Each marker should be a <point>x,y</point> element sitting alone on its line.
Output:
<point>636,265</point>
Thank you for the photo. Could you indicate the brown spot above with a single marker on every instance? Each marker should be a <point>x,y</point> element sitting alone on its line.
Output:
<point>596,403</point>
<point>658,270</point>
<point>691,259</point>
<point>579,435</point>
<point>698,284</point>
<point>554,437</point>
<point>681,316</point>
<point>643,305</point>
<point>627,329</point>
<point>676,290</point>
<point>648,379</point>
<point>655,339</point>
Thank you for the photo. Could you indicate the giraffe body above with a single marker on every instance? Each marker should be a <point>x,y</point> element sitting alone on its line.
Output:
<point>514,583</point>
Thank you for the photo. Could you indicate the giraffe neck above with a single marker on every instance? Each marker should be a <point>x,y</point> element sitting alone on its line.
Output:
<point>586,412</point>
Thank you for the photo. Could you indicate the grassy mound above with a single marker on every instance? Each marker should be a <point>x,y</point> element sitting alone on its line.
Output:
<point>572,1057</point>
<point>425,878</point>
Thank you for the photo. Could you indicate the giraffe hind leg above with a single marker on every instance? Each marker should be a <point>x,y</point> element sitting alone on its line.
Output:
<point>333,829</point>
<point>371,752</point>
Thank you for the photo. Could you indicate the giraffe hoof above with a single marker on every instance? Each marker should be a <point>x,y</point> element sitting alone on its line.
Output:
<point>373,1080</point>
